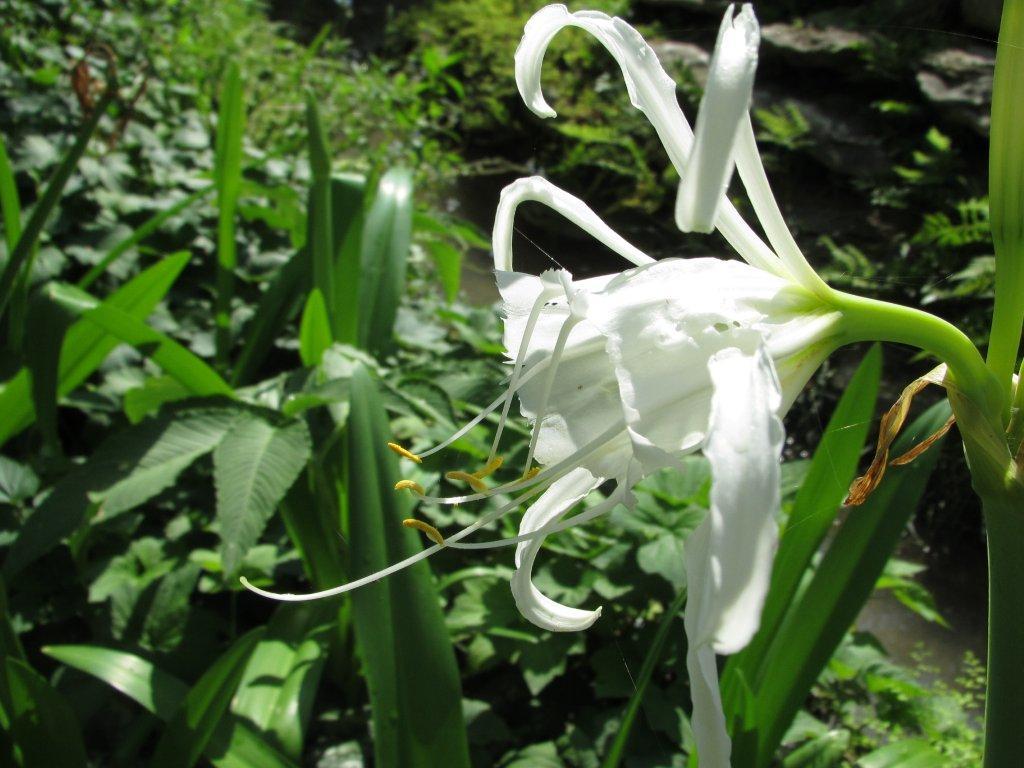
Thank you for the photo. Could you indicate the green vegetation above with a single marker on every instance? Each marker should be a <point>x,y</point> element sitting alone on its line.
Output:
<point>231,271</point>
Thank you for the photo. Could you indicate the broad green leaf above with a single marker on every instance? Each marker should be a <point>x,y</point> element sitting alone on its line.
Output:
<point>253,467</point>
<point>400,631</point>
<point>814,509</point>
<point>909,753</point>
<point>18,482</point>
<point>10,643</point>
<point>194,722</point>
<point>42,723</point>
<point>825,751</point>
<point>227,175</point>
<point>279,686</point>
<point>155,392</point>
<point>315,329</point>
<point>234,744</point>
<point>387,235</point>
<point>20,257</point>
<point>86,345</point>
<point>125,471</point>
<point>320,210</point>
<point>189,370</point>
<point>823,611</point>
<point>617,751</point>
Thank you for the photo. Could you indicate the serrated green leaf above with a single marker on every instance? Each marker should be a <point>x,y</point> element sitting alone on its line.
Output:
<point>908,753</point>
<point>253,467</point>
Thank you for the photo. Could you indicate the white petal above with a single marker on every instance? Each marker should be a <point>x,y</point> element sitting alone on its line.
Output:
<point>651,91</point>
<point>540,190</point>
<point>536,607</point>
<point>744,445</point>
<point>722,111</point>
<point>708,719</point>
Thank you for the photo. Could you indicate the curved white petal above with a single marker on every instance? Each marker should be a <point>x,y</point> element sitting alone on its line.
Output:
<point>536,607</point>
<point>540,190</point>
<point>708,719</point>
<point>723,109</point>
<point>651,91</point>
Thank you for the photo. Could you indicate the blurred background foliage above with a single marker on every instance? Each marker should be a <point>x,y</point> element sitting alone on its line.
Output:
<point>873,121</point>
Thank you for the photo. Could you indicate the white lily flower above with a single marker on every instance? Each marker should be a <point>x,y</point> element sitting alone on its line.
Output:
<point>624,374</point>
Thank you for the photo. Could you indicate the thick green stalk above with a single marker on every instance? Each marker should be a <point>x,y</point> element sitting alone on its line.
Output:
<point>1006,196</point>
<point>1004,699</point>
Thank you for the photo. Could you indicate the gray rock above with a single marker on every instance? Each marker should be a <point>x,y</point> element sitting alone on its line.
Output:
<point>716,7</point>
<point>828,47</point>
<point>958,81</point>
<point>675,56</point>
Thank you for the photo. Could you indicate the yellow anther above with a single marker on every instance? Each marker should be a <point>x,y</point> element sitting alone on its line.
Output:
<point>531,473</point>
<point>432,533</point>
<point>473,481</point>
<point>489,468</point>
<point>410,485</point>
<point>405,453</point>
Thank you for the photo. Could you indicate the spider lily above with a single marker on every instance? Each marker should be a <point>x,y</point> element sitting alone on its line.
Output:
<point>624,374</point>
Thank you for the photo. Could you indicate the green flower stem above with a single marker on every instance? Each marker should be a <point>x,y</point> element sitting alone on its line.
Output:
<point>867,319</point>
<point>1006,196</point>
<point>1004,698</point>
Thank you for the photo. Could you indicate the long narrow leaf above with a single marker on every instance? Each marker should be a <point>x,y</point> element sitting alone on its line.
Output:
<point>192,725</point>
<point>42,723</point>
<point>86,346</point>
<point>842,583</point>
<point>190,371</point>
<point>277,691</point>
<point>227,174</point>
<point>9,201</point>
<point>400,631</point>
<point>387,235</point>
<point>617,751</point>
<point>347,197</point>
<point>19,256</point>
<point>320,240</point>
<point>144,230</point>
<point>314,330</point>
<point>234,743</point>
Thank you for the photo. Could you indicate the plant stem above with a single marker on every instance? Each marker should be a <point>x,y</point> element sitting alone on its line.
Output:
<point>1004,700</point>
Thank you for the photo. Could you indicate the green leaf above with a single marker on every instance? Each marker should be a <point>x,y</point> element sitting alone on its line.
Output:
<point>140,680</point>
<point>234,744</point>
<point>227,174</point>
<point>190,728</point>
<point>825,751</point>
<point>253,467</point>
<point>814,509</point>
<point>279,686</point>
<point>86,345</point>
<point>9,201</point>
<point>189,370</point>
<point>10,643</point>
<point>400,632</point>
<point>42,723</point>
<point>320,210</point>
<point>448,261</point>
<point>909,753</point>
<point>49,322</point>
<point>387,235</point>
<point>155,392</point>
<point>276,308</point>
<point>17,482</point>
<point>823,611</point>
<point>347,196</point>
<point>664,557</point>
<point>315,329</point>
<point>617,751</point>
<point>21,253</point>
<point>128,469</point>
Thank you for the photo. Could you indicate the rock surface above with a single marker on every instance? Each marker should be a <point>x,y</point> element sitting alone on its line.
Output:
<point>958,82</point>
<point>827,47</point>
